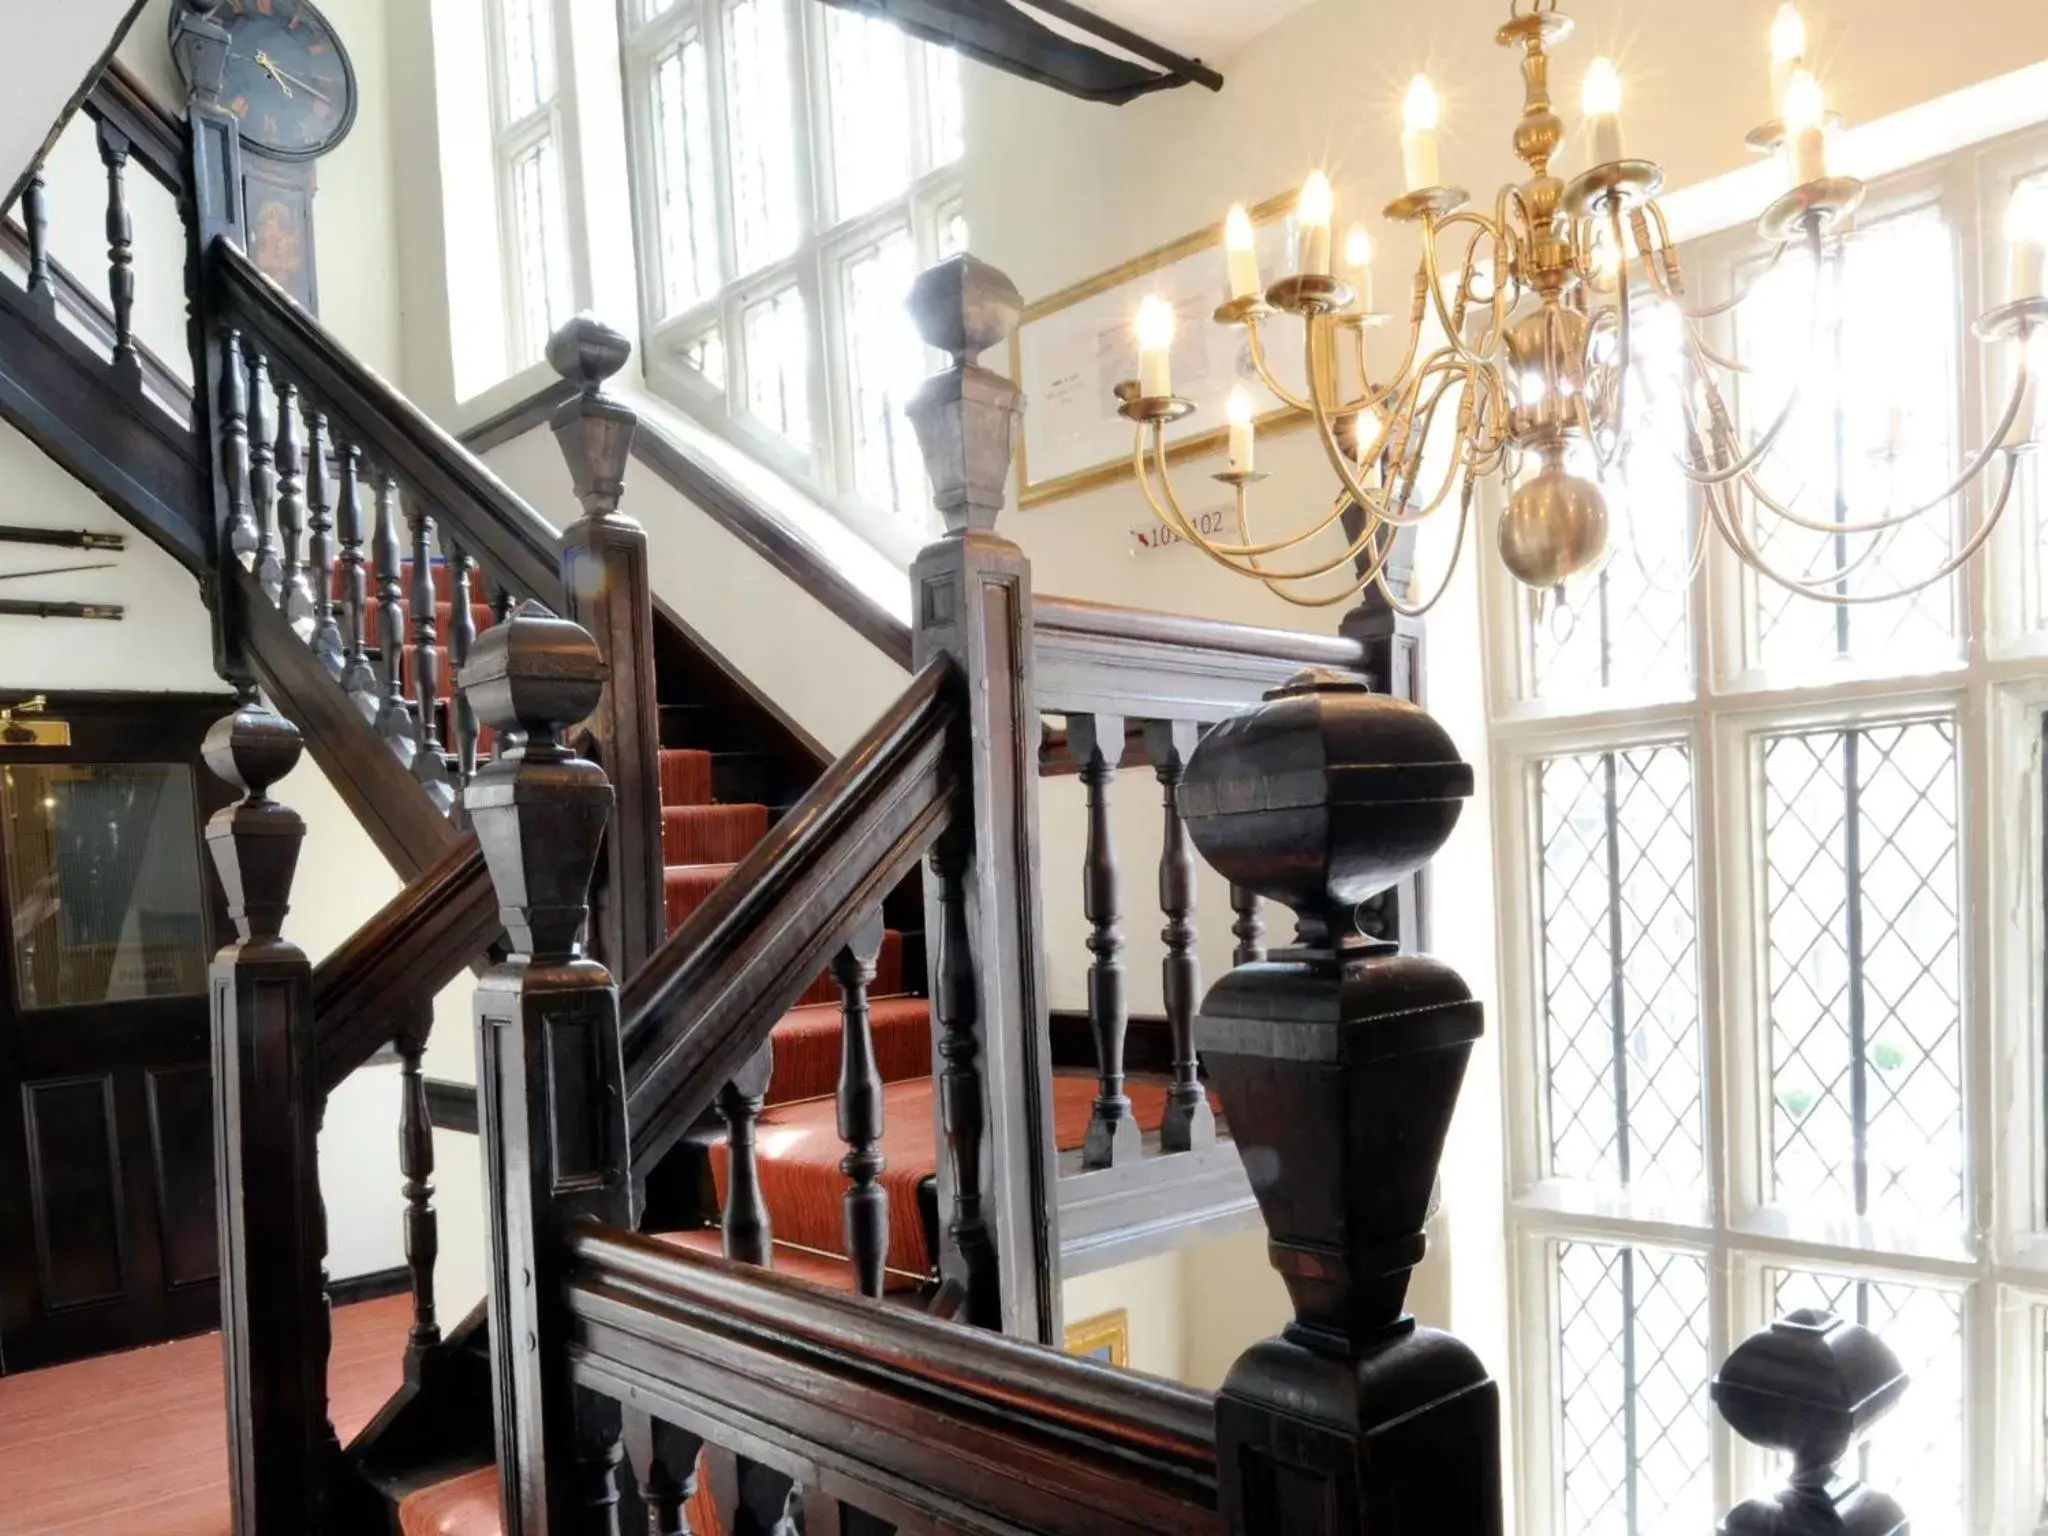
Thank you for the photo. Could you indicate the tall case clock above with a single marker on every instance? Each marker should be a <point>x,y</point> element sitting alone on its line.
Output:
<point>291,88</point>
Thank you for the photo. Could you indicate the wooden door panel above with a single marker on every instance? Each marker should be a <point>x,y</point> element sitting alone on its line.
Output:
<point>75,1196</point>
<point>181,1165</point>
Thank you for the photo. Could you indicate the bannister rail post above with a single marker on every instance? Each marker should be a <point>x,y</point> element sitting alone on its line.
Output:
<point>608,592</point>
<point>972,594</point>
<point>282,1451</point>
<point>1338,1062</point>
<point>551,1085</point>
<point>1812,1386</point>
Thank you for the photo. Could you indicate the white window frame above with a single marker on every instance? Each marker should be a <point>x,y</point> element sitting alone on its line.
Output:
<point>1996,691</point>
<point>825,244</point>
<point>511,139</point>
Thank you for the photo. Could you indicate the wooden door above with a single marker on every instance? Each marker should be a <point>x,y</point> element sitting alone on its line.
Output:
<point>109,914</point>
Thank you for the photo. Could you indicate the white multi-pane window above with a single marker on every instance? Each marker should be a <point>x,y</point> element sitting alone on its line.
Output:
<point>794,168</point>
<point>1771,905</point>
<point>527,146</point>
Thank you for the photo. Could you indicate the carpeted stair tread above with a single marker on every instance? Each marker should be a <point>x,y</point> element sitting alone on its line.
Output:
<point>710,834</point>
<point>888,980</point>
<point>821,1269</point>
<point>807,1046</point>
<point>685,776</point>
<point>684,887</point>
<point>799,1151</point>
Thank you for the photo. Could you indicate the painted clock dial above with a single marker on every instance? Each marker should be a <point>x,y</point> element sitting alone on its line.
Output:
<point>289,81</point>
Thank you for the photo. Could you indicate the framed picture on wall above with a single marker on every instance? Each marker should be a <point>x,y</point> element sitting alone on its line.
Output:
<point>1071,350</point>
<point>1105,1337</point>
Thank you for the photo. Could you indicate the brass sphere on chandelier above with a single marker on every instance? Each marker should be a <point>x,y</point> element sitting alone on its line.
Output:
<point>1554,527</point>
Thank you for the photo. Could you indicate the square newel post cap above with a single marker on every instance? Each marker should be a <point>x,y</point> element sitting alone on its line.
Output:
<point>255,842</point>
<point>201,44</point>
<point>594,427</point>
<point>965,416</point>
<point>539,810</point>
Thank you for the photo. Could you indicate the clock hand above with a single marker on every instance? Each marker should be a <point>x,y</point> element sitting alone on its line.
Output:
<point>305,85</point>
<point>263,63</point>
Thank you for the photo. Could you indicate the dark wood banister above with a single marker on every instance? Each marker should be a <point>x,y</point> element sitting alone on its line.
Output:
<point>1110,621</point>
<point>711,993</point>
<point>157,139</point>
<point>514,542</point>
<point>97,321</point>
<point>954,1420</point>
<point>415,944</point>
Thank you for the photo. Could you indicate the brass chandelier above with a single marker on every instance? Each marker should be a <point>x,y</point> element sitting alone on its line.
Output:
<point>1532,318</point>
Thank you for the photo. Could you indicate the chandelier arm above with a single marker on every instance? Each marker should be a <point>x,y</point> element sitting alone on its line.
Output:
<point>1948,567</point>
<point>1372,399</point>
<point>1174,515</point>
<point>1726,306</point>
<point>1692,565</point>
<point>1257,351</point>
<point>1760,451</point>
<point>1627,332</point>
<point>1378,505</point>
<point>1434,273</point>
<point>1326,433</point>
<point>1417,610</point>
<point>1350,555</point>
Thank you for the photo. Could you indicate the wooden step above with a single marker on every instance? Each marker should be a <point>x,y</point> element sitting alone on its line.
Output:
<point>685,886</point>
<point>685,777</point>
<point>807,1045</point>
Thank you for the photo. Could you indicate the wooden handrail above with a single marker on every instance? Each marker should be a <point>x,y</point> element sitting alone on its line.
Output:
<point>1111,621</point>
<point>710,994</point>
<point>514,542</point>
<point>961,1426</point>
<point>412,947</point>
<point>154,136</point>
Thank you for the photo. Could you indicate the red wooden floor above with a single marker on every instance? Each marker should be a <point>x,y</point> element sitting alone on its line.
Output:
<point>138,1441</point>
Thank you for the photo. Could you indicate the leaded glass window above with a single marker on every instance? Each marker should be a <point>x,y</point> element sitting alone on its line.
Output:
<point>795,166</point>
<point>526,135</point>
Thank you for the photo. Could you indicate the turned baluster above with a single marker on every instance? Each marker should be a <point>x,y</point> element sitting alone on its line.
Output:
<point>1811,1387</point>
<point>428,765</point>
<point>968,1265</point>
<point>1189,1122</point>
<point>866,1204</point>
<point>319,573</point>
<point>416,1163</point>
<point>35,218</point>
<point>242,533</point>
<point>263,477</point>
<point>358,676</point>
<point>664,1460</point>
<point>1096,743</point>
<point>1248,925</point>
<point>749,1236</point>
<point>394,714</point>
<point>461,640</point>
<point>291,595</point>
<point>114,149</point>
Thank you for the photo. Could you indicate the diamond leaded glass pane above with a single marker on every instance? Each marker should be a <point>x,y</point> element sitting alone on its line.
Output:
<point>869,70</point>
<point>543,265</point>
<point>885,365</point>
<point>1620,968</point>
<point>1624,629</point>
<point>1873,434</point>
<point>1632,1412</point>
<point>761,131</point>
<point>1916,1454</point>
<point>685,187</point>
<point>1862,965</point>
<point>527,35</point>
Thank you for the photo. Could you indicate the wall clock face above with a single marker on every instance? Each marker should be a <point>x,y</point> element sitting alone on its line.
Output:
<point>289,80</point>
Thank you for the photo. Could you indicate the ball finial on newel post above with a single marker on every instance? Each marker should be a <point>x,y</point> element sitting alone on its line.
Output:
<point>1338,1062</point>
<point>965,415</point>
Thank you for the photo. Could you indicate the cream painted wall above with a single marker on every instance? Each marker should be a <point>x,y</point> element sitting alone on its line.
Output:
<point>53,50</point>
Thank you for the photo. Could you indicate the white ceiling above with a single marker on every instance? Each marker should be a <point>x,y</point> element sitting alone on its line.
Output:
<point>1209,30</point>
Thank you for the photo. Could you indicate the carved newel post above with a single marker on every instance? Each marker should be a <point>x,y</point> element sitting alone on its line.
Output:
<point>267,1106</point>
<point>1338,1062</point>
<point>1812,1386</point>
<point>550,1079</point>
<point>999,1252</point>
<point>607,591</point>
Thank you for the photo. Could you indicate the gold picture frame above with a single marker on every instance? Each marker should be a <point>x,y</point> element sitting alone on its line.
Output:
<point>1060,353</point>
<point>1105,1336</point>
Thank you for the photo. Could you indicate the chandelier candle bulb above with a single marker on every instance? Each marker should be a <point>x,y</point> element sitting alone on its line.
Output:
<point>1358,257</point>
<point>1312,214</point>
<point>1239,412</point>
<point>1155,348</point>
<point>1240,248</point>
<point>2026,233</point>
<point>1419,113</point>
<point>1600,99</point>
<point>1806,134</point>
<point>1788,51</point>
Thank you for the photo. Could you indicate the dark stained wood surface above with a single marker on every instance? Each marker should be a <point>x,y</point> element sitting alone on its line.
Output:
<point>960,1428</point>
<point>77,299</point>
